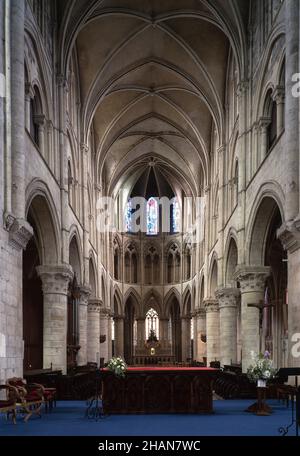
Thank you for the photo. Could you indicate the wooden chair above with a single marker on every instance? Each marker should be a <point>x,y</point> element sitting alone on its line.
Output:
<point>29,397</point>
<point>8,405</point>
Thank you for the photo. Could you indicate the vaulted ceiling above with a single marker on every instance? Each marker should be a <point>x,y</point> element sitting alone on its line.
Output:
<point>152,81</point>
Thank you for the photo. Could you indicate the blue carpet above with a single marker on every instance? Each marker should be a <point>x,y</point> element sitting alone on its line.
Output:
<point>229,419</point>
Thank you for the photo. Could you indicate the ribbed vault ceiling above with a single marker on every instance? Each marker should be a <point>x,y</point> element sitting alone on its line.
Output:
<point>152,82</point>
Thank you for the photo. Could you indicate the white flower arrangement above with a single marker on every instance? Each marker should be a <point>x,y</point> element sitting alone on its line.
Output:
<point>262,367</point>
<point>118,366</point>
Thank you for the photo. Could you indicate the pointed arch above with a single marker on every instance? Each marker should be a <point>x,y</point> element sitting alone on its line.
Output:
<point>75,254</point>
<point>93,276</point>
<point>213,275</point>
<point>187,302</point>
<point>152,299</point>
<point>117,306</point>
<point>40,207</point>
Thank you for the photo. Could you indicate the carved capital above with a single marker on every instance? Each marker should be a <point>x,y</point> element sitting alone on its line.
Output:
<point>85,293</point>
<point>20,231</point>
<point>252,278</point>
<point>263,123</point>
<point>55,278</point>
<point>94,305</point>
<point>29,90</point>
<point>211,305</point>
<point>61,80</point>
<point>40,120</point>
<point>228,297</point>
<point>289,235</point>
<point>200,312</point>
<point>242,87</point>
<point>279,94</point>
<point>105,312</point>
<point>84,148</point>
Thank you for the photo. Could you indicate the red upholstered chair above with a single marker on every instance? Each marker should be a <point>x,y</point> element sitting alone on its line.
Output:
<point>30,398</point>
<point>8,405</point>
<point>49,394</point>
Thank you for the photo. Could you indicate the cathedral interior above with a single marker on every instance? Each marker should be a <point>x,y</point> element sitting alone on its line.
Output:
<point>188,101</point>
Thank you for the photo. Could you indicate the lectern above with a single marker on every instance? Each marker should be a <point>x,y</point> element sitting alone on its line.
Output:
<point>285,373</point>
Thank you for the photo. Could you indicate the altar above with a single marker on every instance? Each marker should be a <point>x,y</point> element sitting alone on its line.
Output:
<point>159,390</point>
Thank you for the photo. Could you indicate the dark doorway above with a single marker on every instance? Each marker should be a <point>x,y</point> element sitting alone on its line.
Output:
<point>32,308</point>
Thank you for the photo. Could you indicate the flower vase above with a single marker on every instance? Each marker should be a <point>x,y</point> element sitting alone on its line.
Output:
<point>261,383</point>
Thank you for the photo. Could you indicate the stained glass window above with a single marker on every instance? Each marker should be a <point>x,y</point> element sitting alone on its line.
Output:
<point>152,216</point>
<point>128,219</point>
<point>175,217</point>
<point>152,323</point>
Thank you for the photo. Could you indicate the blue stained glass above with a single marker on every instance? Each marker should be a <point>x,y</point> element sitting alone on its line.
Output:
<point>128,218</point>
<point>175,217</point>
<point>152,216</point>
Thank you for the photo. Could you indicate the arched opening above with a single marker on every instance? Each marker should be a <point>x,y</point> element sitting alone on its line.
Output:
<point>177,267</point>
<point>201,327</point>
<point>92,279</point>
<point>127,267</point>
<point>116,260</point>
<point>267,250</point>
<point>236,184</point>
<point>129,329</point>
<point>232,261</point>
<point>148,269</point>
<point>32,306</point>
<point>275,311</point>
<point>188,264</point>
<point>36,117</point>
<point>175,329</point>
<point>270,114</point>
<point>170,268</point>
<point>134,268</point>
<point>213,279</point>
<point>188,334</point>
<point>152,325</point>
<point>42,249</point>
<point>73,306</point>
<point>156,269</point>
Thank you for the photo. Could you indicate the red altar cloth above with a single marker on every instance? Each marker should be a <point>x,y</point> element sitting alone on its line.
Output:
<point>166,368</point>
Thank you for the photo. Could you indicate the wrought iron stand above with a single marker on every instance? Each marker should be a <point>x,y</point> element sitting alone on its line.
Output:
<point>283,430</point>
<point>94,408</point>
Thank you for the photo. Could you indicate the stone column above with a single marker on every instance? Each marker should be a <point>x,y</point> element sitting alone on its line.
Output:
<point>29,94</point>
<point>109,336</point>
<point>291,160</point>
<point>104,332</point>
<point>163,335</point>
<point>227,298</point>
<point>263,125</point>
<point>93,325</point>
<point>289,234</point>
<point>17,8</point>
<point>212,330</point>
<point>279,98</point>
<point>40,120</point>
<point>55,281</point>
<point>255,154</point>
<point>185,338</point>
<point>119,335</point>
<point>200,345</point>
<point>83,305</point>
<point>140,330</point>
<point>252,280</point>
